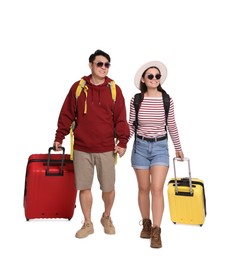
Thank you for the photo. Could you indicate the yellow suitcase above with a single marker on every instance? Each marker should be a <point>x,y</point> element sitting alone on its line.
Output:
<point>186,196</point>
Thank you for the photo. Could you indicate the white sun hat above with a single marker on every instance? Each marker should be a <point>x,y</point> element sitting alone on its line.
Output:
<point>158,64</point>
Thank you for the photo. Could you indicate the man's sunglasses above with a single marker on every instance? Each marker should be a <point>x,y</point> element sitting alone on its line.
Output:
<point>151,76</point>
<point>101,64</point>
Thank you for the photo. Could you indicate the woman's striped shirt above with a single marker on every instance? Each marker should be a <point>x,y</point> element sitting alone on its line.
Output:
<point>151,120</point>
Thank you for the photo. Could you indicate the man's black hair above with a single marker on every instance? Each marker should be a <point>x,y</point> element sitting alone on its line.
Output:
<point>99,53</point>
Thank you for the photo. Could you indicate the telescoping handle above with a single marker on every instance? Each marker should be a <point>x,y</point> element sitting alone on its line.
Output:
<point>189,173</point>
<point>49,162</point>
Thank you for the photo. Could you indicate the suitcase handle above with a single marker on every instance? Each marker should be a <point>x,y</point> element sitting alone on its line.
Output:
<point>189,173</point>
<point>49,162</point>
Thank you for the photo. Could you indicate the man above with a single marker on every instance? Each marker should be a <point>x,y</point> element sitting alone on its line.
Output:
<point>99,119</point>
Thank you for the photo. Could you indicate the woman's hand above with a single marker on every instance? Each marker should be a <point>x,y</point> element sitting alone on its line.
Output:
<point>180,154</point>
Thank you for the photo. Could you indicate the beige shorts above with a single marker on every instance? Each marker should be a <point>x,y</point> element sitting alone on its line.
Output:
<point>84,166</point>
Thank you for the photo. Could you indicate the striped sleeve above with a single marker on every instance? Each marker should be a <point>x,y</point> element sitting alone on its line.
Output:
<point>172,127</point>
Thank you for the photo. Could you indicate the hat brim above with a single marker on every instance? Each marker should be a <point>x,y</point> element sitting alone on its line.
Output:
<point>147,65</point>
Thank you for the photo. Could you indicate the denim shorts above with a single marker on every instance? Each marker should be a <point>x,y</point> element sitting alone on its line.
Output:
<point>146,154</point>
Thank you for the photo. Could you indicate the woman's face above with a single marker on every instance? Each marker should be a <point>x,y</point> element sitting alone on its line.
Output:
<point>152,78</point>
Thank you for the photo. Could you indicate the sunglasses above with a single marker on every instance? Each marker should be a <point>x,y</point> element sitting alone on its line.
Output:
<point>151,76</point>
<point>101,64</point>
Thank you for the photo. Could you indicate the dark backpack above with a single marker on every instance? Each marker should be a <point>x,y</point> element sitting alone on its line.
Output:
<point>138,98</point>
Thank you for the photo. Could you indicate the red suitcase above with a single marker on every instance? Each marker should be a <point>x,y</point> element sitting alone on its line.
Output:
<point>50,190</point>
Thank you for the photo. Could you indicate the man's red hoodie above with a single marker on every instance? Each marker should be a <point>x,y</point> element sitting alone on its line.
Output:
<point>94,132</point>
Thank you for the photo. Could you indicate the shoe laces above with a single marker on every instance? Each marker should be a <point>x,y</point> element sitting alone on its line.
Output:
<point>156,233</point>
<point>146,223</point>
<point>109,221</point>
<point>85,224</point>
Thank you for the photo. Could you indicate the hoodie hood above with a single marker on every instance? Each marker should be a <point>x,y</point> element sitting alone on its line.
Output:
<point>90,84</point>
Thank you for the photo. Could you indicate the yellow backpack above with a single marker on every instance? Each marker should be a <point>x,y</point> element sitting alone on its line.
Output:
<point>82,87</point>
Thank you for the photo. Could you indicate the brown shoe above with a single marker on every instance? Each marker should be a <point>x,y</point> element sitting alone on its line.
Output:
<point>156,241</point>
<point>108,225</point>
<point>86,230</point>
<point>146,231</point>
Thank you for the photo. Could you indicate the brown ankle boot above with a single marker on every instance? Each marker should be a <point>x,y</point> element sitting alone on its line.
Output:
<point>146,231</point>
<point>156,241</point>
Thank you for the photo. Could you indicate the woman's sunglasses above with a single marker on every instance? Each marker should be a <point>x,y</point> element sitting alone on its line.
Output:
<point>151,76</point>
<point>101,64</point>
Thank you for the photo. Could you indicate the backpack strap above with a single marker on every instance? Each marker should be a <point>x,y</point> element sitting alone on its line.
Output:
<point>82,87</point>
<point>166,103</point>
<point>138,98</point>
<point>113,89</point>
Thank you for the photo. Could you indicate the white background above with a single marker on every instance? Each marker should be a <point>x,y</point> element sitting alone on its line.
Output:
<point>44,49</point>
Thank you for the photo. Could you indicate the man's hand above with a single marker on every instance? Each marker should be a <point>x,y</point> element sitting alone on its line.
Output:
<point>57,146</point>
<point>121,151</point>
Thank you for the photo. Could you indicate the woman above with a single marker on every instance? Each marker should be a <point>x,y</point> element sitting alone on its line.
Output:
<point>150,154</point>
